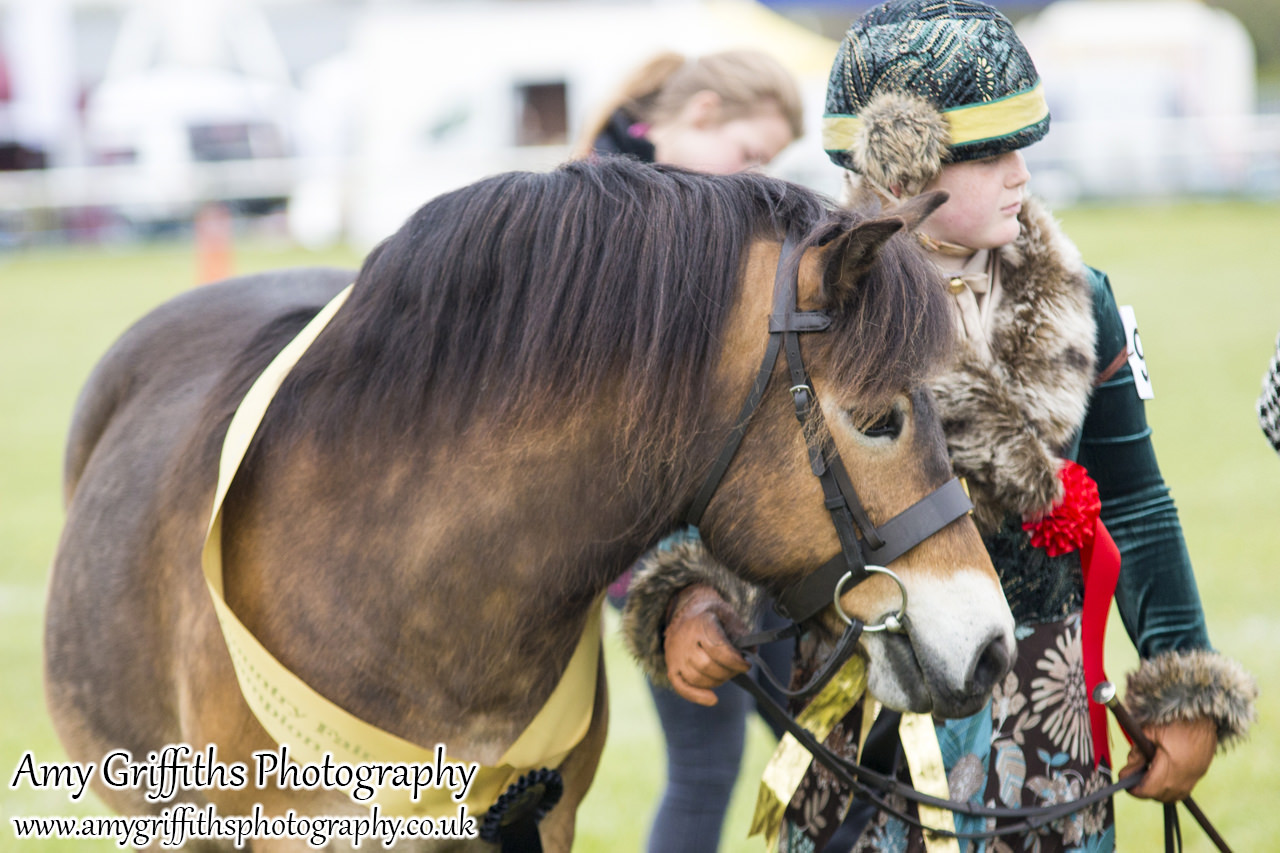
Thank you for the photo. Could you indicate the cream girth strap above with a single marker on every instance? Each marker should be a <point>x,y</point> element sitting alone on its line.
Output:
<point>309,724</point>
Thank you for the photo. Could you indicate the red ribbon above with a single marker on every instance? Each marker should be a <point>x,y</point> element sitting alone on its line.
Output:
<point>1100,563</point>
<point>1076,523</point>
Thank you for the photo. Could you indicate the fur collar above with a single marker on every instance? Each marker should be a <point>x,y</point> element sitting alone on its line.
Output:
<point>1008,420</point>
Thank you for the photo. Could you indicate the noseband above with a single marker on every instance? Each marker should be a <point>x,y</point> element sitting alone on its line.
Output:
<point>865,549</point>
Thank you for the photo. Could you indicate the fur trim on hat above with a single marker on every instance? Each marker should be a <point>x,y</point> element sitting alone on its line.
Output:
<point>1187,686</point>
<point>655,582</point>
<point>902,142</point>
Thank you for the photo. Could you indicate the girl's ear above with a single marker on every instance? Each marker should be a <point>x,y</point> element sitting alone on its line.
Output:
<point>702,110</point>
<point>829,272</point>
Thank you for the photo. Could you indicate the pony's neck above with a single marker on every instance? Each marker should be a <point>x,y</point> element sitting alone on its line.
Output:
<point>551,512</point>
<point>467,561</point>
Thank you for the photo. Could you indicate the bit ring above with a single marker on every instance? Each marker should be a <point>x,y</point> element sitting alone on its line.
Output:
<point>894,623</point>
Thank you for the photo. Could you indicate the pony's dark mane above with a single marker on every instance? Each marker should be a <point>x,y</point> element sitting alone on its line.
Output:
<point>530,294</point>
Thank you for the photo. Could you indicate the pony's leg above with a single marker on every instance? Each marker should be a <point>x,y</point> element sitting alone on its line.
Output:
<point>578,771</point>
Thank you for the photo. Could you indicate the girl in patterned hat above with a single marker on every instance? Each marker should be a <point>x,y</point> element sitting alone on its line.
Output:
<point>1043,410</point>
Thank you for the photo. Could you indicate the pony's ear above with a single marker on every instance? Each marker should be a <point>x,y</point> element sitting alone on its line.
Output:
<point>916,209</point>
<point>830,270</point>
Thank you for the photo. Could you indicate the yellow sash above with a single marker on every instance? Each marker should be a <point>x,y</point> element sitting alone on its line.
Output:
<point>790,762</point>
<point>929,775</point>
<point>786,769</point>
<point>309,724</point>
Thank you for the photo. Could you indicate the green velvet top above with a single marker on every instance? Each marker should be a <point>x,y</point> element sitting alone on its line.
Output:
<point>1157,595</point>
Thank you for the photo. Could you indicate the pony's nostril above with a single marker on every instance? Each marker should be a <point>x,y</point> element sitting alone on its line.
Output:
<point>993,662</point>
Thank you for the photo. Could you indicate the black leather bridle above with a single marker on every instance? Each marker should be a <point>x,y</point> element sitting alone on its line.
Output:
<point>860,555</point>
<point>859,558</point>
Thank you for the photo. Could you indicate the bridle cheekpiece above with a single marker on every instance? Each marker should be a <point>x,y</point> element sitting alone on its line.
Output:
<point>865,549</point>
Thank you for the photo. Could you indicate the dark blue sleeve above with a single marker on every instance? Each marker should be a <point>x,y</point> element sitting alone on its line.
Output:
<point>1157,595</point>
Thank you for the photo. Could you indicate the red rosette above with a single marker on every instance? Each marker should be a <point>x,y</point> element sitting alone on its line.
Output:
<point>1075,524</point>
<point>1070,525</point>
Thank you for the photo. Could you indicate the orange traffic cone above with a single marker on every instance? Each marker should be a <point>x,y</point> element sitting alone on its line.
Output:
<point>213,243</point>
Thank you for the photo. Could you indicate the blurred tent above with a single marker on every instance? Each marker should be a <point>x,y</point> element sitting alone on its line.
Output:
<point>749,24</point>
<point>1148,97</point>
<point>430,97</point>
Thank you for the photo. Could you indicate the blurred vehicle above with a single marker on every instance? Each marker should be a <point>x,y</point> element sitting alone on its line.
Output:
<point>197,99</point>
<point>15,153</point>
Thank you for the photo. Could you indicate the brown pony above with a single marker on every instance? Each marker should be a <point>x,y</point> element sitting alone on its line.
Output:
<point>520,397</point>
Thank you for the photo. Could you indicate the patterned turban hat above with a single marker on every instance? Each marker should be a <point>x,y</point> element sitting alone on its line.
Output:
<point>920,83</point>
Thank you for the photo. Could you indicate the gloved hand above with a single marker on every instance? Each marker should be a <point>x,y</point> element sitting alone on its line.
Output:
<point>700,656</point>
<point>1183,753</point>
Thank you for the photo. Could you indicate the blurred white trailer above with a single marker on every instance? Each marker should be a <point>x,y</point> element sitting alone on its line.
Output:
<point>430,97</point>
<point>1147,96</point>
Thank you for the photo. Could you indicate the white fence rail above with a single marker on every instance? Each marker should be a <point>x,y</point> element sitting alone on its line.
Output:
<point>1078,160</point>
<point>131,185</point>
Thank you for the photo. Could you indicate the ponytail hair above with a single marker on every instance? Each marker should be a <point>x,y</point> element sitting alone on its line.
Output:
<point>745,81</point>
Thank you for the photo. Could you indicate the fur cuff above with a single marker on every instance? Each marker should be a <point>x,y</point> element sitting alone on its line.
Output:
<point>1191,685</point>
<point>657,579</point>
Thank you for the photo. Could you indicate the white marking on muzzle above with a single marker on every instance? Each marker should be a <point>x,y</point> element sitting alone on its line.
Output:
<point>959,644</point>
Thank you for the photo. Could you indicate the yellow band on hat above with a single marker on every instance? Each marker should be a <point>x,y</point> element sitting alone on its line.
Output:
<point>968,124</point>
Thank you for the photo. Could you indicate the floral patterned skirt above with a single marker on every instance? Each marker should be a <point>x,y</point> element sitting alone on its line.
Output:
<point>1030,747</point>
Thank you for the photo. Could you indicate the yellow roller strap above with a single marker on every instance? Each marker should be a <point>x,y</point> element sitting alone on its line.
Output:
<point>786,769</point>
<point>309,724</point>
<point>968,124</point>
<point>928,776</point>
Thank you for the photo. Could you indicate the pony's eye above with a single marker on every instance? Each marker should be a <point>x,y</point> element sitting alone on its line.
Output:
<point>888,425</point>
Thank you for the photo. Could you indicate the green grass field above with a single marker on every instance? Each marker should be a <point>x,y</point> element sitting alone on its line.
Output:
<point>1205,279</point>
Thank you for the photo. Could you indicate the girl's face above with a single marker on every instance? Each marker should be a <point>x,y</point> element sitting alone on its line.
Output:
<point>986,197</point>
<point>698,138</point>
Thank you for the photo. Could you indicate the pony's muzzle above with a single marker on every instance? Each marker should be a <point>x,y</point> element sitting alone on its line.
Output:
<point>958,646</point>
<point>989,663</point>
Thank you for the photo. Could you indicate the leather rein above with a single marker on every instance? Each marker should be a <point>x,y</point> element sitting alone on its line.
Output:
<point>859,558</point>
